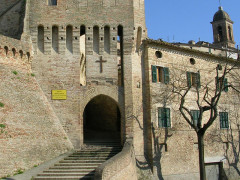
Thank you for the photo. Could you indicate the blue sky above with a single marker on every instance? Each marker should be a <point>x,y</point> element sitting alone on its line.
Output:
<point>184,20</point>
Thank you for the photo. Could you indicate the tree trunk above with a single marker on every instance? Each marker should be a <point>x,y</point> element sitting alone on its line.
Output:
<point>201,156</point>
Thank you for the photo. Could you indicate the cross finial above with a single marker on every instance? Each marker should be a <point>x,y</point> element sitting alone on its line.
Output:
<point>220,4</point>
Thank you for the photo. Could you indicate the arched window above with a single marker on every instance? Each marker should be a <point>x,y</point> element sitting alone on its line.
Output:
<point>52,2</point>
<point>220,34</point>
<point>107,39</point>
<point>139,38</point>
<point>96,39</point>
<point>69,38</point>
<point>230,33</point>
<point>55,38</point>
<point>41,38</point>
<point>6,50</point>
<point>21,53</point>
<point>14,51</point>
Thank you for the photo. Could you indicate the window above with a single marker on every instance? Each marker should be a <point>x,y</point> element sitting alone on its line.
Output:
<point>193,79</point>
<point>195,114</point>
<point>220,83</point>
<point>52,2</point>
<point>230,33</point>
<point>164,117</point>
<point>223,120</point>
<point>160,74</point>
<point>220,34</point>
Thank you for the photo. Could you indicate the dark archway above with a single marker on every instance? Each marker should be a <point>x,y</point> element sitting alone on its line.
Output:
<point>102,120</point>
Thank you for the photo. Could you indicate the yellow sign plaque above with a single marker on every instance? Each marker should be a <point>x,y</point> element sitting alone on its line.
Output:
<point>59,94</point>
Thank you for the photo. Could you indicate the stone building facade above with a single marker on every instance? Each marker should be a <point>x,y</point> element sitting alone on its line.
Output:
<point>98,51</point>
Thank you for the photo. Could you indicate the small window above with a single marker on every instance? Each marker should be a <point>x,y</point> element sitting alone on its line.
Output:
<point>164,117</point>
<point>158,54</point>
<point>193,79</point>
<point>52,2</point>
<point>192,61</point>
<point>195,114</point>
<point>222,84</point>
<point>223,120</point>
<point>160,74</point>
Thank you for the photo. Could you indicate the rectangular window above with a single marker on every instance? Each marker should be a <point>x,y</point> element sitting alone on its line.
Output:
<point>223,120</point>
<point>52,2</point>
<point>160,74</point>
<point>222,83</point>
<point>164,117</point>
<point>193,79</point>
<point>195,114</point>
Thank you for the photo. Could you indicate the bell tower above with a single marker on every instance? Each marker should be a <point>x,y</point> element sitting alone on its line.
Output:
<point>223,29</point>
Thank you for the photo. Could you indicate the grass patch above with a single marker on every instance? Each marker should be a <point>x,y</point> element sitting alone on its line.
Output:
<point>2,126</point>
<point>35,165</point>
<point>32,74</point>
<point>15,72</point>
<point>20,171</point>
<point>1,104</point>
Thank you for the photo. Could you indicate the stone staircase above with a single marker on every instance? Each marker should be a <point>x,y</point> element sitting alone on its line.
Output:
<point>82,163</point>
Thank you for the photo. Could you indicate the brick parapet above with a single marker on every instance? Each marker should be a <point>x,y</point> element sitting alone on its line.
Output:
<point>19,50</point>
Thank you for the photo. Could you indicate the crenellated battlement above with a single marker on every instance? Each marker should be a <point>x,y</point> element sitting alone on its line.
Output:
<point>13,49</point>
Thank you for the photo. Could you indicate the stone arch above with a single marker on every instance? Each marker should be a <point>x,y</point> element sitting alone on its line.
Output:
<point>220,33</point>
<point>69,38</point>
<point>107,38</point>
<point>102,120</point>
<point>55,38</point>
<point>230,33</point>
<point>41,38</point>
<point>96,39</point>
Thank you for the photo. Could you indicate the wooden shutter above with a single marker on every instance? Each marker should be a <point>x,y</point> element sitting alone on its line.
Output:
<point>225,85</point>
<point>166,75</point>
<point>154,74</point>
<point>189,79</point>
<point>221,119</point>
<point>160,115</point>
<point>226,120</point>
<point>198,80</point>
<point>167,117</point>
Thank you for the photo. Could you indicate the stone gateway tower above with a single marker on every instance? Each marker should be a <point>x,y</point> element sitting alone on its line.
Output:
<point>91,49</point>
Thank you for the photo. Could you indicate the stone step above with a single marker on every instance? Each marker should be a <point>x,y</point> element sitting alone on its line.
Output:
<point>86,158</point>
<point>82,161</point>
<point>73,167</point>
<point>93,155</point>
<point>77,164</point>
<point>68,170</point>
<point>62,178</point>
<point>67,174</point>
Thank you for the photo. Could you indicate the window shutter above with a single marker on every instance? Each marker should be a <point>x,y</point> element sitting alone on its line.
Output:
<point>221,120</point>
<point>160,124</point>
<point>166,75</point>
<point>226,118</point>
<point>154,74</point>
<point>225,84</point>
<point>198,80</point>
<point>189,79</point>
<point>167,118</point>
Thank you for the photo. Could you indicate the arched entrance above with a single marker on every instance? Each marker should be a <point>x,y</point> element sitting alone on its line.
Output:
<point>101,120</point>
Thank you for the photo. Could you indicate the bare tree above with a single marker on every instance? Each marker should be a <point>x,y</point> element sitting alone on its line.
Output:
<point>207,99</point>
